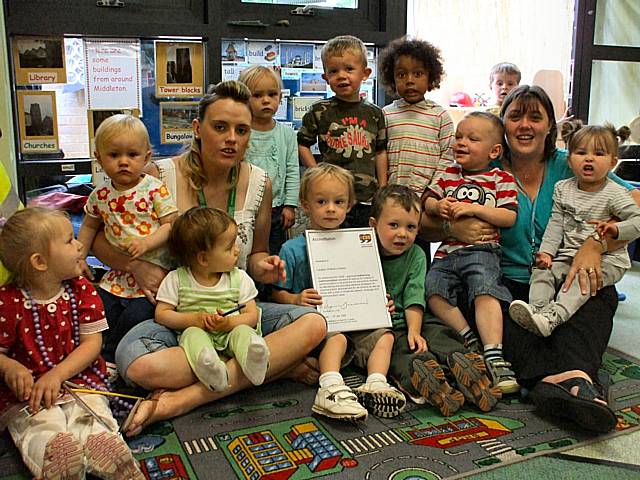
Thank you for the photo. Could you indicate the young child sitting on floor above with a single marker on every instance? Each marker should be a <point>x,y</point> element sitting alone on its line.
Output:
<point>52,319</point>
<point>582,206</point>
<point>198,296</point>
<point>326,195</point>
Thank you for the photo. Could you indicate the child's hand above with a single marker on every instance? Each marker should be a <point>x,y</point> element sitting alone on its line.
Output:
<point>391,306</point>
<point>137,247</point>
<point>222,324</point>
<point>543,260</point>
<point>417,343</point>
<point>462,209</point>
<point>19,379</point>
<point>309,298</point>
<point>288,217</point>
<point>444,207</point>
<point>206,321</point>
<point>46,390</point>
<point>602,228</point>
<point>86,270</point>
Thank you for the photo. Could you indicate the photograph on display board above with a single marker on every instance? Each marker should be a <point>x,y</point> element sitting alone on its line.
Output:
<point>175,121</point>
<point>38,121</point>
<point>39,60</point>
<point>179,69</point>
<point>262,53</point>
<point>296,55</point>
<point>312,82</point>
<point>234,51</point>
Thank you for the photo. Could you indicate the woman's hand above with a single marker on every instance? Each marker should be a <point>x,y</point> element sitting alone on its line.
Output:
<point>472,230</point>
<point>148,276</point>
<point>269,269</point>
<point>46,390</point>
<point>586,265</point>
<point>19,379</point>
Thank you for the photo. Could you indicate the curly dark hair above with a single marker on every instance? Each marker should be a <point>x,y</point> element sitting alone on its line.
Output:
<point>417,49</point>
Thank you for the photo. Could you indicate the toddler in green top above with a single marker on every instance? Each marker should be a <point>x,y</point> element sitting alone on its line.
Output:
<point>211,300</point>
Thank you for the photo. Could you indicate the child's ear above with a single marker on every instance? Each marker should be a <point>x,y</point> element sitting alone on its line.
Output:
<point>324,77</point>
<point>201,258</point>
<point>372,222</point>
<point>147,156</point>
<point>495,152</point>
<point>305,205</point>
<point>38,262</point>
<point>367,72</point>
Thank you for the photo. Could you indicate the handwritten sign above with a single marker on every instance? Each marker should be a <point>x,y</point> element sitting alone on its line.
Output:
<point>113,74</point>
<point>347,272</point>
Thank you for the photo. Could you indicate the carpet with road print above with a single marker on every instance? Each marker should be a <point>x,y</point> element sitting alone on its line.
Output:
<point>270,433</point>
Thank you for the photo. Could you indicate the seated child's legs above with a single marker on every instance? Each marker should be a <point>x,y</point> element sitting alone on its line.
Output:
<point>373,351</point>
<point>334,399</point>
<point>251,352</point>
<point>204,359</point>
<point>122,315</point>
<point>278,235</point>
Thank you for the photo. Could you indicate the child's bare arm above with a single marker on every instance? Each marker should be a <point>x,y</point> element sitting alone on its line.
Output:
<point>382,165</point>
<point>47,388</point>
<point>306,157</point>
<point>413,316</point>
<point>157,239</point>
<point>497,216</point>
<point>88,232</point>
<point>17,377</point>
<point>166,315</point>
<point>308,298</point>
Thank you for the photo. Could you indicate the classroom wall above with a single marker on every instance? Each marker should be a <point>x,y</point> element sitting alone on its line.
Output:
<point>7,146</point>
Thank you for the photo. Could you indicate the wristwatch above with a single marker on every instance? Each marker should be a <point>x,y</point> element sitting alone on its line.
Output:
<point>601,241</point>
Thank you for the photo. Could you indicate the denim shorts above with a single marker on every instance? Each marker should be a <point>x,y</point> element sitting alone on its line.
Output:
<point>467,273</point>
<point>149,336</point>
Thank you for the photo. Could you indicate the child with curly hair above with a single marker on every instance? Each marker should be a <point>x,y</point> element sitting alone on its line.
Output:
<point>420,132</point>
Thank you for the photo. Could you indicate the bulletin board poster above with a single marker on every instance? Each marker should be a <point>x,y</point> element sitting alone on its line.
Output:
<point>179,69</point>
<point>296,55</point>
<point>302,105</point>
<point>175,121</point>
<point>234,51</point>
<point>112,74</point>
<point>39,60</point>
<point>263,53</point>
<point>38,121</point>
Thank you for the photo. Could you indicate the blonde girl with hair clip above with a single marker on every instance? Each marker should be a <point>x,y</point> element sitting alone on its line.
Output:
<point>274,148</point>
<point>136,211</point>
<point>52,319</point>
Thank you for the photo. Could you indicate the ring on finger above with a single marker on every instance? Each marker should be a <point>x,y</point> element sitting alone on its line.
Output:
<point>591,270</point>
<point>582,269</point>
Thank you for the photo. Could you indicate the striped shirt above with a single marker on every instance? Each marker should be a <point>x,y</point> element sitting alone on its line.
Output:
<point>420,139</point>
<point>492,188</point>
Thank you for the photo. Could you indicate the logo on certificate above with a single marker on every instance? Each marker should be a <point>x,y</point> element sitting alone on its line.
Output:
<point>365,238</point>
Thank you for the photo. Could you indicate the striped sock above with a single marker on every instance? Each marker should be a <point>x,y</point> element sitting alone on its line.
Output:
<point>493,352</point>
<point>468,335</point>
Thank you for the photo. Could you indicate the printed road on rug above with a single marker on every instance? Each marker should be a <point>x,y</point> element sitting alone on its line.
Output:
<point>270,433</point>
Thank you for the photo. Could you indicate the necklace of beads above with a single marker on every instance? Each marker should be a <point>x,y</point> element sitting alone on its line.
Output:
<point>120,406</point>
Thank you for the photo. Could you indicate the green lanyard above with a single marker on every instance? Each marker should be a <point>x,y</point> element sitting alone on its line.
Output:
<point>231,199</point>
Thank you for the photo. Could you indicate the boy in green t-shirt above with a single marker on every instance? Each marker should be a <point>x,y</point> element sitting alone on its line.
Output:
<point>416,365</point>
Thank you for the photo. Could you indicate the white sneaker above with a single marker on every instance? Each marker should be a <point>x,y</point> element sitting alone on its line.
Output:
<point>381,399</point>
<point>339,401</point>
<point>541,324</point>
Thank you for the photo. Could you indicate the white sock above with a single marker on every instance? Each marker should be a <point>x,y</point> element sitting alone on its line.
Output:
<point>376,377</point>
<point>211,371</point>
<point>257,360</point>
<point>329,379</point>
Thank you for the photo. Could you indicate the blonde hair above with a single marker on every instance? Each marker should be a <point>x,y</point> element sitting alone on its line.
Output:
<point>195,231</point>
<point>338,46</point>
<point>327,170</point>
<point>27,232</point>
<point>117,124</point>
<point>507,68</point>
<point>231,89</point>
<point>252,75</point>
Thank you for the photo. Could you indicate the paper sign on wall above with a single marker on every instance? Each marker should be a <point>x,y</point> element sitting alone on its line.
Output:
<point>113,74</point>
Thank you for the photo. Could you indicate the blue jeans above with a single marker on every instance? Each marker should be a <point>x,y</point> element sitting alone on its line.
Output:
<point>122,314</point>
<point>149,336</point>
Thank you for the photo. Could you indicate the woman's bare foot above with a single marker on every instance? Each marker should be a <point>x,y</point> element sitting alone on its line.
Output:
<point>561,377</point>
<point>307,371</point>
<point>158,406</point>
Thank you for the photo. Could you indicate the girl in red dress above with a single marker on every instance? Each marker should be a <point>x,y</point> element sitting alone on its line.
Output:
<point>51,321</point>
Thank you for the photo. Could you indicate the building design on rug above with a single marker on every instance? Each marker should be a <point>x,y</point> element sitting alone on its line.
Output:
<point>164,467</point>
<point>260,456</point>
<point>453,433</point>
